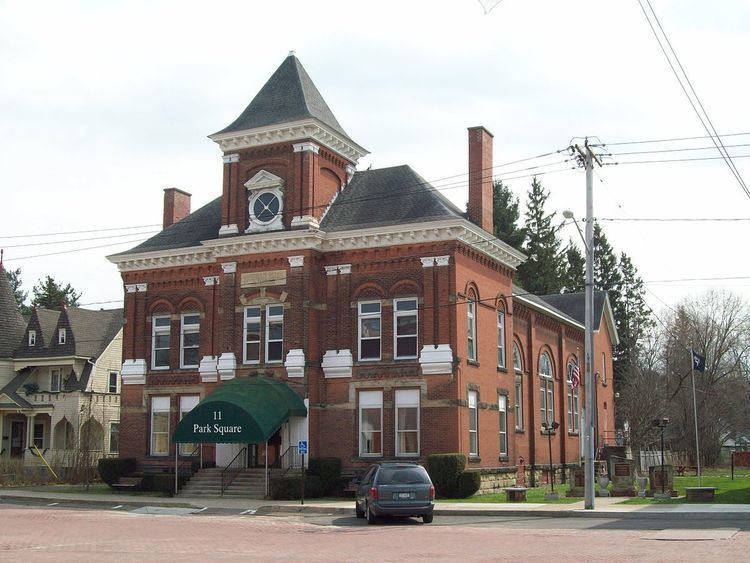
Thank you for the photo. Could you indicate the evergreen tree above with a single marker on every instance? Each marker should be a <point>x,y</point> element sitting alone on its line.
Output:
<point>51,295</point>
<point>575,270</point>
<point>543,271</point>
<point>606,272</point>
<point>506,215</point>
<point>14,277</point>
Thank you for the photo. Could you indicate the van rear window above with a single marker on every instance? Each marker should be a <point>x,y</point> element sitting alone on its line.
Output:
<point>403,475</point>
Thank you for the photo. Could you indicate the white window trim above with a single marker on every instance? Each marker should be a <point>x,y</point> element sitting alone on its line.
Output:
<point>188,329</point>
<point>32,338</point>
<point>547,382</point>
<point>117,382</point>
<point>501,339</point>
<point>471,330</point>
<point>407,405</point>
<point>269,319</point>
<point>52,379</point>
<point>503,413</point>
<point>113,422</point>
<point>62,335</point>
<point>154,400</point>
<point>574,415</point>
<point>518,407</point>
<point>396,315</point>
<point>360,317</point>
<point>359,424</point>
<point>244,335</point>
<point>475,408</point>
<point>159,330</point>
<point>604,368</point>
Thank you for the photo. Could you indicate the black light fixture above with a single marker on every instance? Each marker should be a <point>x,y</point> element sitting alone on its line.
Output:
<point>661,423</point>
<point>549,429</point>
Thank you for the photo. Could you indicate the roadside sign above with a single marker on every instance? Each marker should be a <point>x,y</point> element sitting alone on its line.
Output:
<point>302,447</point>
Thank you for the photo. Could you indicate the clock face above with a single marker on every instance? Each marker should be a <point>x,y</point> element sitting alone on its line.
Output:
<point>266,207</point>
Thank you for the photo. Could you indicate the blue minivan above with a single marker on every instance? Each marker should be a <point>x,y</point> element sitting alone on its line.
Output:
<point>395,489</point>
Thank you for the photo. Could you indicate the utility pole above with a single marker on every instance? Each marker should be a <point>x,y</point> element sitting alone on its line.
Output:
<point>587,158</point>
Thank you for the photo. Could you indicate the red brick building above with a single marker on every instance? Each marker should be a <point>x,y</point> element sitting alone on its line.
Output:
<point>392,313</point>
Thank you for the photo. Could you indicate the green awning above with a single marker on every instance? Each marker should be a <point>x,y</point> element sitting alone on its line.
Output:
<point>245,410</point>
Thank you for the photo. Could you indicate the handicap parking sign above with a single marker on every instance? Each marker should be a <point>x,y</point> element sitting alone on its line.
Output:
<point>302,447</point>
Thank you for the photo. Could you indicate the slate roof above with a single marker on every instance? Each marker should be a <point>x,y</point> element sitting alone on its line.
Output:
<point>289,95</point>
<point>387,196</point>
<point>519,291</point>
<point>12,324</point>
<point>574,305</point>
<point>11,389</point>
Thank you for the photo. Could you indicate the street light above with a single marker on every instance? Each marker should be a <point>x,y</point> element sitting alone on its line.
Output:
<point>662,424</point>
<point>549,429</point>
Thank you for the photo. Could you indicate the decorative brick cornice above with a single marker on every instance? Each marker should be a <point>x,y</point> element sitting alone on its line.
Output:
<point>338,269</point>
<point>306,147</point>
<point>136,287</point>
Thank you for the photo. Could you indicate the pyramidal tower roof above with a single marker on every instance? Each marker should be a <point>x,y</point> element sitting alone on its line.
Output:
<point>12,325</point>
<point>289,95</point>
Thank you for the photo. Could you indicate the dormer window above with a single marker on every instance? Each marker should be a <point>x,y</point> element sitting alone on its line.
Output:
<point>61,336</point>
<point>265,195</point>
<point>32,338</point>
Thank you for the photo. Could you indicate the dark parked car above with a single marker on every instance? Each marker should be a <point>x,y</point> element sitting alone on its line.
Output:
<point>395,489</point>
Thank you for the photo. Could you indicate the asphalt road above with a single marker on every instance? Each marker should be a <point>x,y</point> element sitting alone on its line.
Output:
<point>40,532</point>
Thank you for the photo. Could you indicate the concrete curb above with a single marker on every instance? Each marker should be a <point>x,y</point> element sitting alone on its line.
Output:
<point>100,502</point>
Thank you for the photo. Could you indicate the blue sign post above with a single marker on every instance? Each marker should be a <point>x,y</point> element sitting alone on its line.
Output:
<point>302,450</point>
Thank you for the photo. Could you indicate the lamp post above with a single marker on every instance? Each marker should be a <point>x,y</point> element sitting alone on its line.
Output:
<point>662,423</point>
<point>549,429</point>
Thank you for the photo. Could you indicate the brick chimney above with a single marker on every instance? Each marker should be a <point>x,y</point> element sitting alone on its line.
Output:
<point>176,206</point>
<point>480,177</point>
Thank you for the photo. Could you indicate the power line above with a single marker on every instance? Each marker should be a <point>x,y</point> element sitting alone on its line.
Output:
<point>81,232</point>
<point>707,123</point>
<point>73,250</point>
<point>673,219</point>
<point>667,140</point>
<point>78,240</point>
<point>655,151</point>
<point>660,160</point>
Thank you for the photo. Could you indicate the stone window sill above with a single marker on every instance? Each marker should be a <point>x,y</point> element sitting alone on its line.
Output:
<point>473,363</point>
<point>474,459</point>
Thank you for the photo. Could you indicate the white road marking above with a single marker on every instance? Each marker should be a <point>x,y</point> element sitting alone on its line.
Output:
<point>202,509</point>
<point>116,507</point>
<point>53,504</point>
<point>249,511</point>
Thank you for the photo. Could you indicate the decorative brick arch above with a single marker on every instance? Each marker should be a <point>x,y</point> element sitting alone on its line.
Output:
<point>405,288</point>
<point>161,306</point>
<point>471,291</point>
<point>369,290</point>
<point>545,349</point>
<point>191,304</point>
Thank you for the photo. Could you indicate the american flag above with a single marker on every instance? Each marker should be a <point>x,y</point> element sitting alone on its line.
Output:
<point>575,377</point>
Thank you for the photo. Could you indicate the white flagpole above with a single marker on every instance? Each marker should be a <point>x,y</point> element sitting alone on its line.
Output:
<point>695,413</point>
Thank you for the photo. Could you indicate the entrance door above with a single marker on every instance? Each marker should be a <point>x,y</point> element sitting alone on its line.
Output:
<point>16,438</point>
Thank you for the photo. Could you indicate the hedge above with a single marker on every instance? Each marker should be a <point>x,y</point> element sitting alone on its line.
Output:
<point>329,471</point>
<point>111,469</point>
<point>289,487</point>
<point>469,483</point>
<point>444,470</point>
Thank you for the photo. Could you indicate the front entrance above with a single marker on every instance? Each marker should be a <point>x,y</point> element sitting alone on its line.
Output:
<point>17,438</point>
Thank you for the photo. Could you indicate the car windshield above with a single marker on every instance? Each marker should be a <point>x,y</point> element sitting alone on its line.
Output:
<point>403,475</point>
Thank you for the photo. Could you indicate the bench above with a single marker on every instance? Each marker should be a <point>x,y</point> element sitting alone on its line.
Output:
<point>700,494</point>
<point>516,494</point>
<point>127,484</point>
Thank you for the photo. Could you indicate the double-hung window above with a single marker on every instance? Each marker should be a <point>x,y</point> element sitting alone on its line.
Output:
<point>190,329</point>
<point>501,339</point>
<point>518,368</point>
<point>371,423</point>
<point>471,329</point>
<point>546,389</point>
<point>112,386</point>
<point>39,435</point>
<point>114,437</point>
<point>160,329</point>
<point>55,380</point>
<point>405,328</point>
<point>187,403</point>
<point>160,426</point>
<point>473,425</point>
<point>502,407</point>
<point>62,335</point>
<point>407,422</point>
<point>369,330</point>
<point>32,338</point>
<point>573,402</point>
<point>274,333</point>
<point>252,335</point>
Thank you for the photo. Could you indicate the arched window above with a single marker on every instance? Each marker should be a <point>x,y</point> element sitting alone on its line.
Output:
<point>501,338</point>
<point>518,368</point>
<point>471,326</point>
<point>546,389</point>
<point>574,383</point>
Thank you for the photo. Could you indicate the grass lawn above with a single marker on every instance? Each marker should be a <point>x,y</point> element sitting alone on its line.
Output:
<point>727,491</point>
<point>535,495</point>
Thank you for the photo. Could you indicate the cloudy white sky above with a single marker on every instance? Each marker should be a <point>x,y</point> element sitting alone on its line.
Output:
<point>104,104</point>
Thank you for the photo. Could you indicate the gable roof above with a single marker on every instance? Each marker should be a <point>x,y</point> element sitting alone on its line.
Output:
<point>387,196</point>
<point>574,305</point>
<point>540,303</point>
<point>12,324</point>
<point>289,95</point>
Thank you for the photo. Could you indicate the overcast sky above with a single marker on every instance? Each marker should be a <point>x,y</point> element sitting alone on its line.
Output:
<point>104,104</point>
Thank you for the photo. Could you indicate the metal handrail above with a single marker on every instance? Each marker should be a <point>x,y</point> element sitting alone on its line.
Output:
<point>188,461</point>
<point>290,459</point>
<point>230,472</point>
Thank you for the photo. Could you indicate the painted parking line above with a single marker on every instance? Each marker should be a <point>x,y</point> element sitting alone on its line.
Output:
<point>200,510</point>
<point>53,504</point>
<point>249,511</point>
<point>116,507</point>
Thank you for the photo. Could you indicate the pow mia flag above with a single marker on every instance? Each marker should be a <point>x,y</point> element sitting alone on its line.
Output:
<point>699,362</point>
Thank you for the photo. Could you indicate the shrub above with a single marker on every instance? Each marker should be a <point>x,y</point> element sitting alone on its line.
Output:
<point>469,483</point>
<point>329,471</point>
<point>111,469</point>
<point>444,470</point>
<point>162,483</point>
<point>289,487</point>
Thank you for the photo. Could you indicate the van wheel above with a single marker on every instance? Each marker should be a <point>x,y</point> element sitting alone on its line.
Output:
<point>358,511</point>
<point>371,518</point>
<point>427,518</point>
